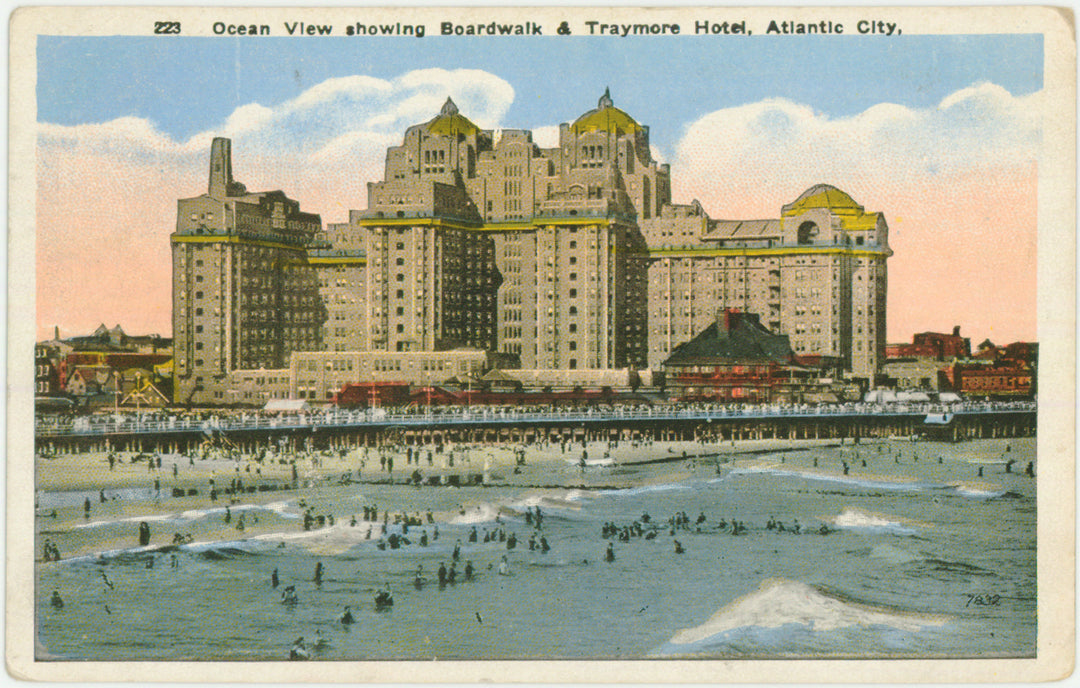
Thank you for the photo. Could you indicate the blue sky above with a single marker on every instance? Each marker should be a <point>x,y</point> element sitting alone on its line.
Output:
<point>940,133</point>
<point>187,85</point>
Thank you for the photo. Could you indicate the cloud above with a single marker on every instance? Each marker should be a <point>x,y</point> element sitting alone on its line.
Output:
<point>957,183</point>
<point>106,194</point>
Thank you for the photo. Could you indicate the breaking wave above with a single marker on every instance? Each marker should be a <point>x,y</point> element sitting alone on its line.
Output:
<point>863,520</point>
<point>791,607</point>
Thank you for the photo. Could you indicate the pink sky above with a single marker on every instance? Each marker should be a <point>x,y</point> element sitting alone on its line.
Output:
<point>960,203</point>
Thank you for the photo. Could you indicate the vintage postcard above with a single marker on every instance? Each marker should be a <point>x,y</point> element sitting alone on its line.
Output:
<point>541,344</point>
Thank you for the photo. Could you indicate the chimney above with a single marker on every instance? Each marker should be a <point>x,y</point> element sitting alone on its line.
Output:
<point>220,168</point>
<point>956,331</point>
<point>56,332</point>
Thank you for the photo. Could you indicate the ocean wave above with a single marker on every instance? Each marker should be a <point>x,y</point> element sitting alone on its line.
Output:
<point>149,518</point>
<point>779,602</point>
<point>645,489</point>
<point>279,508</point>
<point>859,519</point>
<point>970,490</point>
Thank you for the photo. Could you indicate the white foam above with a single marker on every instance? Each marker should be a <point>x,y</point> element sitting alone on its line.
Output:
<point>976,492</point>
<point>483,513</point>
<point>856,518</point>
<point>131,519</point>
<point>778,602</point>
<point>630,491</point>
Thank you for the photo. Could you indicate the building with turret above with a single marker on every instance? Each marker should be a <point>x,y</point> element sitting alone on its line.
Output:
<point>244,294</point>
<point>564,258</point>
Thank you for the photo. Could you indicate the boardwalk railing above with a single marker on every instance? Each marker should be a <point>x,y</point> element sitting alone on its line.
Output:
<point>157,423</point>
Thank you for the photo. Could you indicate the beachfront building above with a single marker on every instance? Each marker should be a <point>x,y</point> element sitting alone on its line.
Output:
<point>244,294</point>
<point>564,258</point>
<point>737,359</point>
<point>492,242</point>
<point>816,274</point>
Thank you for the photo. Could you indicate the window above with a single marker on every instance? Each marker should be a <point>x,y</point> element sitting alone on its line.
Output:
<point>198,311</point>
<point>573,293</point>
<point>400,293</point>
<point>198,294</point>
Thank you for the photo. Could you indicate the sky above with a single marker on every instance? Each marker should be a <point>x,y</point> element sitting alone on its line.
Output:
<point>940,133</point>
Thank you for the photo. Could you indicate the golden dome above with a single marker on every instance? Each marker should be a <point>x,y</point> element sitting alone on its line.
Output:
<point>821,196</point>
<point>606,117</point>
<point>450,123</point>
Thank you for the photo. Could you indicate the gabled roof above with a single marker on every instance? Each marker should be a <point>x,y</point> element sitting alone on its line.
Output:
<point>734,338</point>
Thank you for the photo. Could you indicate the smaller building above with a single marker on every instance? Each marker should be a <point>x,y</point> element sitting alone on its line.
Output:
<point>934,345</point>
<point>318,375</point>
<point>976,378</point>
<point>737,359</point>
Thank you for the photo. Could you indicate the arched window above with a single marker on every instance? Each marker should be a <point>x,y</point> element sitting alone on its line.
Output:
<point>807,232</point>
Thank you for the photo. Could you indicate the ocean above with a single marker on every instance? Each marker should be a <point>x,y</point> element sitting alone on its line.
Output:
<point>920,557</point>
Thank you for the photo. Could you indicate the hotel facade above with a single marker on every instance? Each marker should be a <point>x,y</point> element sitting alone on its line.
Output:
<point>571,257</point>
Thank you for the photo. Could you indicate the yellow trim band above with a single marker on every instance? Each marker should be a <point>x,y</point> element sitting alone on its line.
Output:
<point>230,239</point>
<point>780,251</point>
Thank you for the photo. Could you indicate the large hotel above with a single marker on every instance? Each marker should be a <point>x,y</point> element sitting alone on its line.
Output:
<point>482,249</point>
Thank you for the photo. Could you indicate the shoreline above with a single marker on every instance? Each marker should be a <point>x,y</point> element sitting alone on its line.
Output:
<point>113,524</point>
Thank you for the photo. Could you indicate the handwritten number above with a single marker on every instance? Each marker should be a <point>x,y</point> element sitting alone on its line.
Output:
<point>983,600</point>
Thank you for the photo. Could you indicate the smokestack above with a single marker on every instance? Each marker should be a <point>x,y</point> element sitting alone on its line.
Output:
<point>220,168</point>
<point>956,331</point>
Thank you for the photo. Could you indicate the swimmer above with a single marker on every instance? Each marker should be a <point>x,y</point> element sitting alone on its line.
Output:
<point>274,578</point>
<point>56,602</point>
<point>320,643</point>
<point>107,581</point>
<point>418,578</point>
<point>298,651</point>
<point>679,548</point>
<point>384,598</point>
<point>609,556</point>
<point>442,574</point>
<point>504,567</point>
<point>288,596</point>
<point>468,570</point>
<point>318,573</point>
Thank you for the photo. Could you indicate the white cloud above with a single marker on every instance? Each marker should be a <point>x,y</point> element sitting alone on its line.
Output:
<point>107,191</point>
<point>780,145</point>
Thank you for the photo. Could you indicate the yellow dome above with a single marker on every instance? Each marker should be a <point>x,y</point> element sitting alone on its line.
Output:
<point>821,196</point>
<point>606,117</point>
<point>450,123</point>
